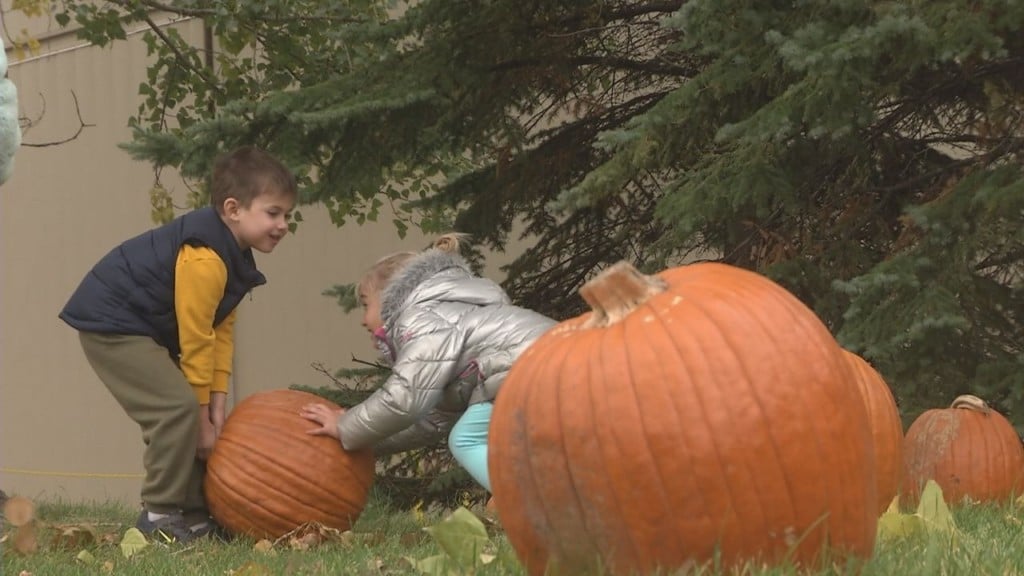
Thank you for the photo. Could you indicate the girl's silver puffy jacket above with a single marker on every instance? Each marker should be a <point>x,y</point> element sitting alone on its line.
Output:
<point>451,338</point>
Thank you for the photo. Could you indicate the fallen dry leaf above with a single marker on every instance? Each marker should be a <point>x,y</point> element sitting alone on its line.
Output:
<point>347,538</point>
<point>311,534</point>
<point>86,557</point>
<point>265,546</point>
<point>132,542</point>
<point>71,537</point>
<point>305,542</point>
<point>411,539</point>
<point>19,511</point>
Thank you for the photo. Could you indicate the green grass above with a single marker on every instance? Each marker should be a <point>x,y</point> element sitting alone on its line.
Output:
<point>383,540</point>
<point>988,542</point>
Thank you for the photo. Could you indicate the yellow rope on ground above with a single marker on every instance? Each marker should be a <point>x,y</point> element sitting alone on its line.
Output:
<point>28,472</point>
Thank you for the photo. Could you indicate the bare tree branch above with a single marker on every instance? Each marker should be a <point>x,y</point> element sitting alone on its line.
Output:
<point>81,126</point>
<point>370,364</point>
<point>206,12</point>
<point>27,123</point>
<point>182,11</point>
<point>319,367</point>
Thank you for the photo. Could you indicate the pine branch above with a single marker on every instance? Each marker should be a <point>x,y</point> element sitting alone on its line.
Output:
<point>992,261</point>
<point>610,62</point>
<point>630,11</point>
<point>180,55</point>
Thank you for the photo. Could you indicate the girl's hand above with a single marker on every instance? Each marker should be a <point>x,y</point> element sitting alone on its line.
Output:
<point>323,415</point>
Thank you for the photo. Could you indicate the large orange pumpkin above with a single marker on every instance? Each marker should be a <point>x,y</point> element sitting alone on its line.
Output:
<point>267,476</point>
<point>698,412</point>
<point>886,428</point>
<point>970,450</point>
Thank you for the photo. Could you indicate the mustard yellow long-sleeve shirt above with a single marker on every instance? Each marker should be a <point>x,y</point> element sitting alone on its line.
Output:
<point>206,350</point>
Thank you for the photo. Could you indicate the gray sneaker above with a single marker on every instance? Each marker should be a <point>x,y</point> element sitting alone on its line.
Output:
<point>171,529</point>
<point>203,525</point>
<point>211,529</point>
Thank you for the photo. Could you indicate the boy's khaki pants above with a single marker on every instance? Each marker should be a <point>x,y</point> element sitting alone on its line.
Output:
<point>154,393</point>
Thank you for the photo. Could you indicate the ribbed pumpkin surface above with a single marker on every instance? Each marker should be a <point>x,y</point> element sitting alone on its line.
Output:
<point>267,476</point>
<point>970,453</point>
<point>886,428</point>
<point>716,416</point>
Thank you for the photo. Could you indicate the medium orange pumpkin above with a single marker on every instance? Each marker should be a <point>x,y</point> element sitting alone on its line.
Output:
<point>886,428</point>
<point>703,410</point>
<point>267,476</point>
<point>970,450</point>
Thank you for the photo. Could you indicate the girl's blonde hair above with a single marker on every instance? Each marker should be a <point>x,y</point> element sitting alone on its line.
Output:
<point>377,277</point>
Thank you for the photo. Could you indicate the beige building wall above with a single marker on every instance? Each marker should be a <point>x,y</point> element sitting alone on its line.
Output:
<point>61,435</point>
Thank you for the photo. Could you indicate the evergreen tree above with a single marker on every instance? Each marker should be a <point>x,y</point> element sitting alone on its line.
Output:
<point>866,155</point>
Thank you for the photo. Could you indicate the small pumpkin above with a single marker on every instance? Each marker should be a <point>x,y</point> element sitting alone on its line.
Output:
<point>886,428</point>
<point>970,450</point>
<point>701,413</point>
<point>267,476</point>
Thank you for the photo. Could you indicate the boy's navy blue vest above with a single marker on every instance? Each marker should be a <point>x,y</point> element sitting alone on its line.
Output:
<point>131,289</point>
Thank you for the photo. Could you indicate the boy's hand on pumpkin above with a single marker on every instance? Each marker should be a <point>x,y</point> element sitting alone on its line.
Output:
<point>207,436</point>
<point>325,416</point>
<point>218,400</point>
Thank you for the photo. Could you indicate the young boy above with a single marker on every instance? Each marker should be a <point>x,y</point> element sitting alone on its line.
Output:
<point>155,317</point>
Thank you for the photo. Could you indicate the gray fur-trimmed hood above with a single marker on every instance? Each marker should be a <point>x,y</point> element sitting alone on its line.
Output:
<point>450,338</point>
<point>436,275</point>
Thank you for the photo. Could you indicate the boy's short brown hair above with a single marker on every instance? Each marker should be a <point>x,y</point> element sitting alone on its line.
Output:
<point>245,173</point>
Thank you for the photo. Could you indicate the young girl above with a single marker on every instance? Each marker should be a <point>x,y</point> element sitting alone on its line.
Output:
<point>450,337</point>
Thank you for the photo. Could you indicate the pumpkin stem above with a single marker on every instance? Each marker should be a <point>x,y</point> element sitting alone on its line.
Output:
<point>971,402</point>
<point>617,291</point>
